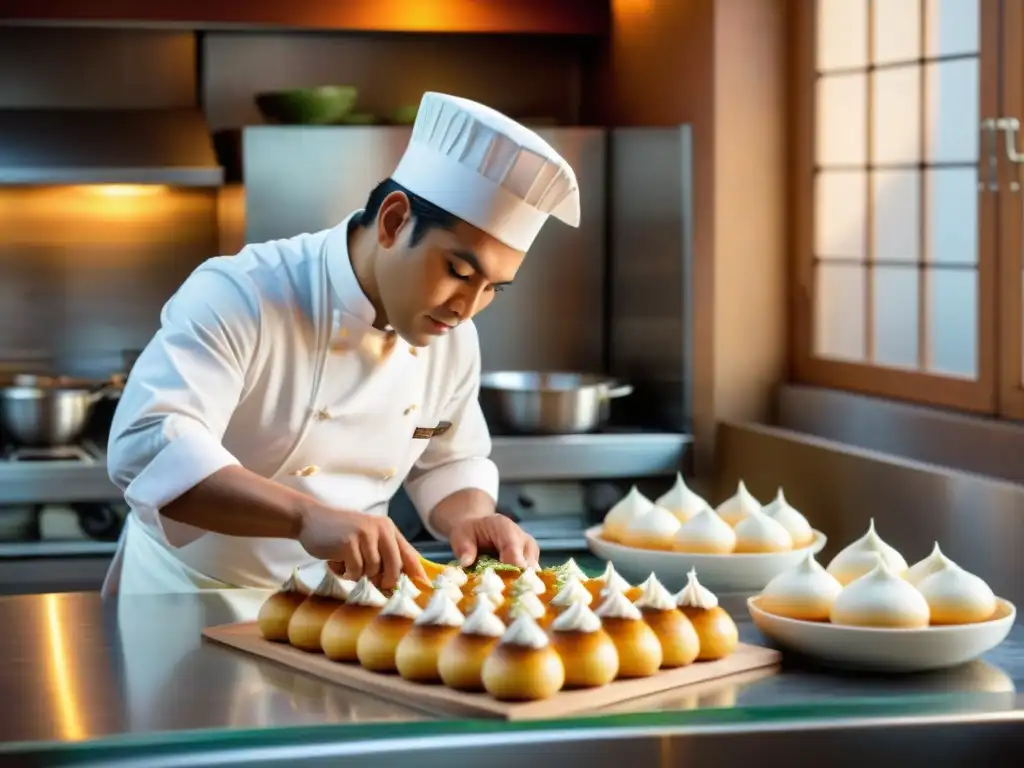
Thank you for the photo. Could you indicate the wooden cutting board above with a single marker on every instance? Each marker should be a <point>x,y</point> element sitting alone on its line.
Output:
<point>432,699</point>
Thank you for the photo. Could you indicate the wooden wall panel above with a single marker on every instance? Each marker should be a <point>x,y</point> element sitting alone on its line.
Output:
<point>522,76</point>
<point>588,17</point>
<point>720,66</point>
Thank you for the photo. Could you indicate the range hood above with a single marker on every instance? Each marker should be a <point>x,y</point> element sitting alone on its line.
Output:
<point>104,146</point>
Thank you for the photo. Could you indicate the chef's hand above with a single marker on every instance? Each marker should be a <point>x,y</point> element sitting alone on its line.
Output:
<point>496,533</point>
<point>358,545</point>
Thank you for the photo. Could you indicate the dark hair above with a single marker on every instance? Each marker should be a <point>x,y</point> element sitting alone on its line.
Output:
<point>426,215</point>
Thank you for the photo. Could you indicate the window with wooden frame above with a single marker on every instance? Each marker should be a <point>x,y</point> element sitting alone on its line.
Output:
<point>895,215</point>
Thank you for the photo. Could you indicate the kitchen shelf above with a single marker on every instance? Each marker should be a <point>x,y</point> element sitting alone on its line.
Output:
<point>564,17</point>
<point>55,482</point>
<point>519,459</point>
<point>33,549</point>
<point>591,457</point>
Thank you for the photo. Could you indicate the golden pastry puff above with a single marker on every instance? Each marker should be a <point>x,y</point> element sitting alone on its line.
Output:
<point>377,645</point>
<point>955,596</point>
<point>588,653</point>
<point>607,582</point>
<point>654,529</point>
<point>638,647</point>
<point>572,591</point>
<point>523,665</point>
<point>487,586</point>
<point>716,631</point>
<point>442,583</point>
<point>679,642</point>
<point>529,581</point>
<point>631,506</point>
<point>805,592</point>
<point>419,651</point>
<point>490,581</point>
<point>491,576</point>
<point>308,621</point>
<point>529,603</point>
<point>881,598</point>
<point>341,632</point>
<point>278,609</point>
<point>461,661</point>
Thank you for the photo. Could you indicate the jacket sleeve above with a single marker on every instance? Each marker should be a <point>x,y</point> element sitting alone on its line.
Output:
<point>181,393</point>
<point>458,459</point>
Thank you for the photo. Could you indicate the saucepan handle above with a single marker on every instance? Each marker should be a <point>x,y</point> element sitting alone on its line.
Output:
<point>620,391</point>
<point>112,389</point>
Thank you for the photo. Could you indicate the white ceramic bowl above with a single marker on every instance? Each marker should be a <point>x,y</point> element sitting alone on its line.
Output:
<point>722,573</point>
<point>886,650</point>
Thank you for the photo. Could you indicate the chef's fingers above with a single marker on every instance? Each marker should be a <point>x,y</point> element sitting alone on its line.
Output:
<point>511,543</point>
<point>410,559</point>
<point>352,559</point>
<point>464,546</point>
<point>369,548</point>
<point>532,553</point>
<point>391,556</point>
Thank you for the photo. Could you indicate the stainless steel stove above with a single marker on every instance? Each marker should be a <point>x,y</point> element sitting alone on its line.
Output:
<point>65,474</point>
<point>86,453</point>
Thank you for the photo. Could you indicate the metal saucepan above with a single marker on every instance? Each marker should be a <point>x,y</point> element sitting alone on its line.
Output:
<point>539,403</point>
<point>44,411</point>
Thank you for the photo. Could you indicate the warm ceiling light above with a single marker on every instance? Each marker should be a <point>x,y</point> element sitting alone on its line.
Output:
<point>126,190</point>
<point>631,6</point>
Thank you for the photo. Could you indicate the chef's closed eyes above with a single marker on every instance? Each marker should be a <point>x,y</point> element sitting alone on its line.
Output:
<point>465,267</point>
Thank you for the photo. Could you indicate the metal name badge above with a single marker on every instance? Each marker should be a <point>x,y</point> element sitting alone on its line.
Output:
<point>425,433</point>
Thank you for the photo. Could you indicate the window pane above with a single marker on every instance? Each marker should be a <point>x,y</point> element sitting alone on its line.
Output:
<point>839,311</point>
<point>951,27</point>
<point>897,31</point>
<point>952,330</point>
<point>840,214</point>
<point>842,120</point>
<point>896,204</point>
<point>895,295</point>
<point>896,129</point>
<point>951,89</point>
<point>951,224</point>
<point>842,34</point>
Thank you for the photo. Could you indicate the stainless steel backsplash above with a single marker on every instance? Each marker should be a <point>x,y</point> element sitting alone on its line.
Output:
<point>650,205</point>
<point>977,520</point>
<point>84,271</point>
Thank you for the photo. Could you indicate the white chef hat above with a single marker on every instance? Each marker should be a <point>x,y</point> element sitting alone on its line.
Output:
<point>487,169</point>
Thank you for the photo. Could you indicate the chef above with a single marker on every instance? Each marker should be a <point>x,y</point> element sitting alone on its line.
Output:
<point>294,387</point>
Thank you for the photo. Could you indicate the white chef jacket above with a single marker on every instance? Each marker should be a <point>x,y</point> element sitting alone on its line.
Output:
<point>269,360</point>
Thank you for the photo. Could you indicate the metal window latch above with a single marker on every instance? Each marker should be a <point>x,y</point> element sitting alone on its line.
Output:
<point>1010,126</point>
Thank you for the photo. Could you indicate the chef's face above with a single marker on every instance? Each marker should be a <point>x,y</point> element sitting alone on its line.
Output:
<point>429,286</point>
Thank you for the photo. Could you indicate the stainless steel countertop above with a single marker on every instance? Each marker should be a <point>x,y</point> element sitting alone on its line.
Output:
<point>79,669</point>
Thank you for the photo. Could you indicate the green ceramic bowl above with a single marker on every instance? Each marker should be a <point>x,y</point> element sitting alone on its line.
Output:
<point>405,115</point>
<point>323,105</point>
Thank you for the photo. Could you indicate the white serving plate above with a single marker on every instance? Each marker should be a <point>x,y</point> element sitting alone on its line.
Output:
<point>886,650</point>
<point>722,573</point>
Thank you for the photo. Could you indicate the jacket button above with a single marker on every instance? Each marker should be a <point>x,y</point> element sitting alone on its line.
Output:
<point>309,471</point>
<point>322,415</point>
